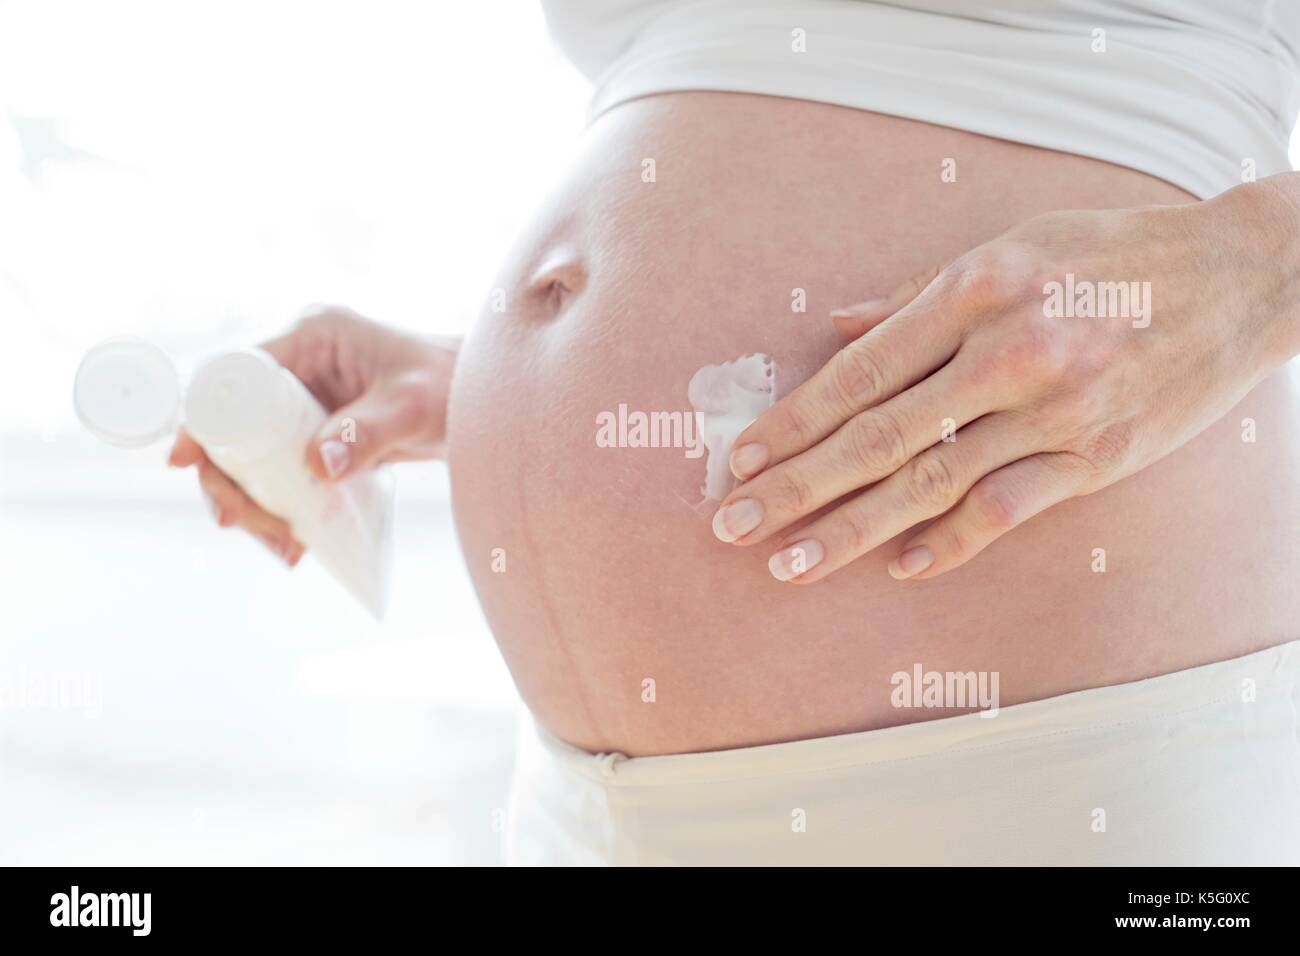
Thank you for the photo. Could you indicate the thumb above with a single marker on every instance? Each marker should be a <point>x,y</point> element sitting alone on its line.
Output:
<point>360,435</point>
<point>856,321</point>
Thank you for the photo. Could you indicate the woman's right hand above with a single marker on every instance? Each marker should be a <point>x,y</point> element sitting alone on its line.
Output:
<point>386,392</point>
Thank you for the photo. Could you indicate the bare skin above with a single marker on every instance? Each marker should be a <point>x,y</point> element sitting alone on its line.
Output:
<point>1039,403</point>
<point>626,624</point>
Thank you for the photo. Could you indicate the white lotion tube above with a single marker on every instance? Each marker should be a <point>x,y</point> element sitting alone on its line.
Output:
<point>254,420</point>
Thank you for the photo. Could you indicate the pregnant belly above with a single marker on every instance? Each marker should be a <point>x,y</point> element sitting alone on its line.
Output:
<point>696,228</point>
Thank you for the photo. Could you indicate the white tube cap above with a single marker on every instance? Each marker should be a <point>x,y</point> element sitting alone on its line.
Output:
<point>127,392</point>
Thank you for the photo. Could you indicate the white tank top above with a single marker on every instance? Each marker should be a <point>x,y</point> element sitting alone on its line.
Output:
<point>1201,93</point>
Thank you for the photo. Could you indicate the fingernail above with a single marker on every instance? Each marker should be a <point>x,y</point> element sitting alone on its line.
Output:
<point>748,460</point>
<point>910,562</point>
<point>737,519</point>
<point>871,305</point>
<point>795,560</point>
<point>334,455</point>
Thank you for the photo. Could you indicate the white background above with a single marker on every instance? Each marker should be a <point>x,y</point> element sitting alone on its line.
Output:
<point>195,173</point>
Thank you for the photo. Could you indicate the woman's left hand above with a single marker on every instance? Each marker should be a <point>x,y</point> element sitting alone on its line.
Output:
<point>976,396</point>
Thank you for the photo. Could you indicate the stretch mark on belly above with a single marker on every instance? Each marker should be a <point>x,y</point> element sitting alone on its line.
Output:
<point>726,398</point>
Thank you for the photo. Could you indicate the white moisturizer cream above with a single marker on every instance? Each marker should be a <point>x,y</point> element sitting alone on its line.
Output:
<point>726,399</point>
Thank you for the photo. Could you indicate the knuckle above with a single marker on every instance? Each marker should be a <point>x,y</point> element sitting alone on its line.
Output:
<point>983,369</point>
<point>993,506</point>
<point>859,376</point>
<point>853,531</point>
<point>312,321</point>
<point>876,443</point>
<point>1036,352</point>
<point>954,542</point>
<point>799,421</point>
<point>919,282</point>
<point>1075,411</point>
<point>791,491</point>
<point>994,278</point>
<point>232,510</point>
<point>321,315</point>
<point>317,325</point>
<point>1111,446</point>
<point>930,481</point>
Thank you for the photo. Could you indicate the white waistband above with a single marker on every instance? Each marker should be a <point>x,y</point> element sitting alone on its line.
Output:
<point>1198,766</point>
